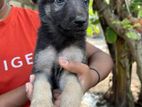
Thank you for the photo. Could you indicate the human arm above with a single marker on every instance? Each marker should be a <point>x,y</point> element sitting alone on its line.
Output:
<point>100,61</point>
<point>97,59</point>
<point>14,98</point>
<point>88,78</point>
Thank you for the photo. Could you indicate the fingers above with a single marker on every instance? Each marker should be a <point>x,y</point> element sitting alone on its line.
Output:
<point>29,86</point>
<point>29,89</point>
<point>32,78</point>
<point>74,67</point>
<point>85,76</point>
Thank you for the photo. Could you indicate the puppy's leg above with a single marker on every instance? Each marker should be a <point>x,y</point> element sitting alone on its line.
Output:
<point>42,96</point>
<point>43,63</point>
<point>72,91</point>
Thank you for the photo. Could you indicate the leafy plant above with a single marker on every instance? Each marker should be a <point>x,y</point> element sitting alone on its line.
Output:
<point>136,8</point>
<point>111,35</point>
<point>131,33</point>
<point>93,26</point>
<point>140,14</point>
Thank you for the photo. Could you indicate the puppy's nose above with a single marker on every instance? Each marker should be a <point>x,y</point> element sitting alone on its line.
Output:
<point>79,21</point>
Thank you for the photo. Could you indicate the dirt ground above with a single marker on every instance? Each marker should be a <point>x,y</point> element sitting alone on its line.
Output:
<point>106,84</point>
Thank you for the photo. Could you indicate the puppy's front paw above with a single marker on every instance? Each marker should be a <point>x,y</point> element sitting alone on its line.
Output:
<point>41,103</point>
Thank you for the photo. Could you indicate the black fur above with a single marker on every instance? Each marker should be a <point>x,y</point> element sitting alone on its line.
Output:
<point>54,29</point>
<point>59,36</point>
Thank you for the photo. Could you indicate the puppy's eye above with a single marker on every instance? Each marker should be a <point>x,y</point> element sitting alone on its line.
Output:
<point>60,1</point>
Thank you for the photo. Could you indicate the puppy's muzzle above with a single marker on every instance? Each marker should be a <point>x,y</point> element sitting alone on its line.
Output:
<point>80,21</point>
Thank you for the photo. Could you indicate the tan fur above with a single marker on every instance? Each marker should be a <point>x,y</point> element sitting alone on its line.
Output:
<point>72,93</point>
<point>72,90</point>
<point>69,83</point>
<point>45,59</point>
<point>42,96</point>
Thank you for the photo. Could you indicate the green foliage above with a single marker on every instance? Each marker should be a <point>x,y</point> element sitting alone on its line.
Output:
<point>136,7</point>
<point>133,35</point>
<point>93,26</point>
<point>126,24</point>
<point>140,14</point>
<point>111,35</point>
<point>107,1</point>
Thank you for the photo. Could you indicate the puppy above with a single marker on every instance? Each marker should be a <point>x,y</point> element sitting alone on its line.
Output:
<point>61,34</point>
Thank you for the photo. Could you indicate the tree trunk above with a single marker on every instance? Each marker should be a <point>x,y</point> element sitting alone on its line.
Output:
<point>135,46</point>
<point>122,96</point>
<point>139,67</point>
<point>122,76</point>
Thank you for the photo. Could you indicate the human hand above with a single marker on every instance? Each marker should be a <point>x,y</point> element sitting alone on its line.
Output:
<point>29,86</point>
<point>87,77</point>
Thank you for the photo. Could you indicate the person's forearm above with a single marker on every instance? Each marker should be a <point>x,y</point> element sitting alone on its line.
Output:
<point>102,62</point>
<point>98,67</point>
<point>14,98</point>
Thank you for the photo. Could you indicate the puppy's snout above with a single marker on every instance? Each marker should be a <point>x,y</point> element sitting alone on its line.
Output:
<point>79,21</point>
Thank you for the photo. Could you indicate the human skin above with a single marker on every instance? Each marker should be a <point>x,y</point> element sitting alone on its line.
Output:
<point>88,78</point>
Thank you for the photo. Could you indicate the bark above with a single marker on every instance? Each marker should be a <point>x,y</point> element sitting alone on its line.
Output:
<point>139,67</point>
<point>122,93</point>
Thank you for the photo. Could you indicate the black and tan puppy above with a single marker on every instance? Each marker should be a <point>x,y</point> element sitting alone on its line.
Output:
<point>62,34</point>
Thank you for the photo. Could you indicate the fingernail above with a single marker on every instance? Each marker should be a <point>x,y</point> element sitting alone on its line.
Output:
<point>31,78</point>
<point>63,61</point>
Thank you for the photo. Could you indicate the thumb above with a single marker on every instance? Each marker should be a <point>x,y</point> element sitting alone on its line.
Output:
<point>72,66</point>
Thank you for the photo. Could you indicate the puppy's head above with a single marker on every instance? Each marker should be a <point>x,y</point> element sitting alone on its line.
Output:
<point>65,15</point>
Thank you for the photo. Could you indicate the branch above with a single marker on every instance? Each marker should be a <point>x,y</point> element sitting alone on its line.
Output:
<point>127,6</point>
<point>105,12</point>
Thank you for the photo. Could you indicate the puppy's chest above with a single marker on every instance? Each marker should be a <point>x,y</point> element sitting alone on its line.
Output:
<point>46,58</point>
<point>71,53</point>
<point>47,61</point>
